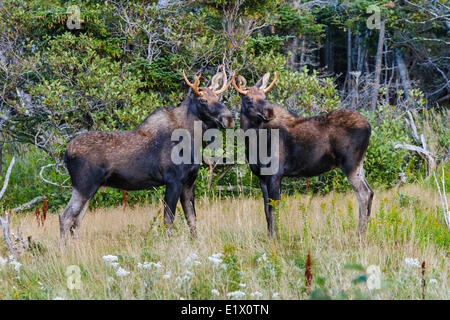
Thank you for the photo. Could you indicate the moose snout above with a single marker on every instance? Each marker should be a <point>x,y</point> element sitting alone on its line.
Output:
<point>228,121</point>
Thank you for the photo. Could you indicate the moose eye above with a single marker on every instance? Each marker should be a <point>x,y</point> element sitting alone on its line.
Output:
<point>203,101</point>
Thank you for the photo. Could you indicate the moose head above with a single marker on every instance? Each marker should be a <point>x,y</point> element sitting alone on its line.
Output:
<point>254,103</point>
<point>210,110</point>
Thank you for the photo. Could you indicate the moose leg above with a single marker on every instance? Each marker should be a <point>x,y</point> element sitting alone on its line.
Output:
<point>273,190</point>
<point>269,217</point>
<point>78,219</point>
<point>173,192</point>
<point>68,218</point>
<point>187,202</point>
<point>364,194</point>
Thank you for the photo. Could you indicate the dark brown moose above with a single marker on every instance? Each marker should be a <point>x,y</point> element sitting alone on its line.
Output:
<point>307,146</point>
<point>141,158</point>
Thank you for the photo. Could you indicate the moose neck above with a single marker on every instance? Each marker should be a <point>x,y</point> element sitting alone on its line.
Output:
<point>192,108</point>
<point>247,120</point>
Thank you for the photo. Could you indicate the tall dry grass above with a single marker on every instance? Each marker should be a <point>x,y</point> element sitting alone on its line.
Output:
<point>325,226</point>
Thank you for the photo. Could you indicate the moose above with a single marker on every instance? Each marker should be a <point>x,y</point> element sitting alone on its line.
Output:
<point>307,146</point>
<point>141,158</point>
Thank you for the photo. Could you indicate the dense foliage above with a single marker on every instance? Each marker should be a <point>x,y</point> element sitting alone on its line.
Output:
<point>125,60</point>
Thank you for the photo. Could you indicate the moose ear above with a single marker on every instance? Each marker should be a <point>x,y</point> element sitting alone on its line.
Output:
<point>262,83</point>
<point>241,82</point>
<point>215,81</point>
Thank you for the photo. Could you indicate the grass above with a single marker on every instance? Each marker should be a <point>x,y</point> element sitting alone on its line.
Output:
<point>404,224</point>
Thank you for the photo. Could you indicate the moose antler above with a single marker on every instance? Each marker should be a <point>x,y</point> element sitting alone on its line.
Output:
<point>236,87</point>
<point>272,84</point>
<point>225,84</point>
<point>195,85</point>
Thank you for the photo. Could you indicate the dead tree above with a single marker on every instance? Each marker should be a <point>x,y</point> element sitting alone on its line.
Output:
<point>422,149</point>
<point>16,247</point>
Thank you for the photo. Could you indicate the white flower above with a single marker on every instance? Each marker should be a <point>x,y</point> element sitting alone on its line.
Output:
<point>275,295</point>
<point>166,276</point>
<point>122,272</point>
<point>433,281</point>
<point>110,279</point>
<point>410,262</point>
<point>217,255</point>
<point>262,259</point>
<point>148,265</point>
<point>110,258</point>
<point>192,260</point>
<point>215,260</point>
<point>256,294</point>
<point>236,294</point>
<point>16,265</point>
<point>114,264</point>
<point>58,298</point>
<point>242,285</point>
<point>186,277</point>
<point>194,256</point>
<point>215,292</point>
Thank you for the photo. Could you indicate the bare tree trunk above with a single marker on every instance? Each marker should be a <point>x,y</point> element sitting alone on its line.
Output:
<point>376,85</point>
<point>294,53</point>
<point>302,55</point>
<point>362,50</point>
<point>403,72</point>
<point>1,159</point>
<point>329,51</point>
<point>348,78</point>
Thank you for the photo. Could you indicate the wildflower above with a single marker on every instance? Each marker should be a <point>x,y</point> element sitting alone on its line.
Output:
<point>217,255</point>
<point>148,265</point>
<point>110,279</point>
<point>216,258</point>
<point>122,272</point>
<point>412,263</point>
<point>275,295</point>
<point>215,292</point>
<point>215,261</point>
<point>194,256</point>
<point>114,264</point>
<point>236,294</point>
<point>186,277</point>
<point>16,265</point>
<point>433,281</point>
<point>262,259</point>
<point>256,294</point>
<point>110,258</point>
<point>242,285</point>
<point>192,260</point>
<point>166,276</point>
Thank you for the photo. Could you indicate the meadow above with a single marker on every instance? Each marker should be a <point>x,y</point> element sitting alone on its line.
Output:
<point>124,253</point>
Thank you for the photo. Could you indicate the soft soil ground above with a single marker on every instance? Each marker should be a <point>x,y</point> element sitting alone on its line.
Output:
<point>232,256</point>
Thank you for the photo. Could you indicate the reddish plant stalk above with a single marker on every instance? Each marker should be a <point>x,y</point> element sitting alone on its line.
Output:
<point>423,280</point>
<point>124,199</point>
<point>37,213</point>
<point>308,274</point>
<point>44,210</point>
